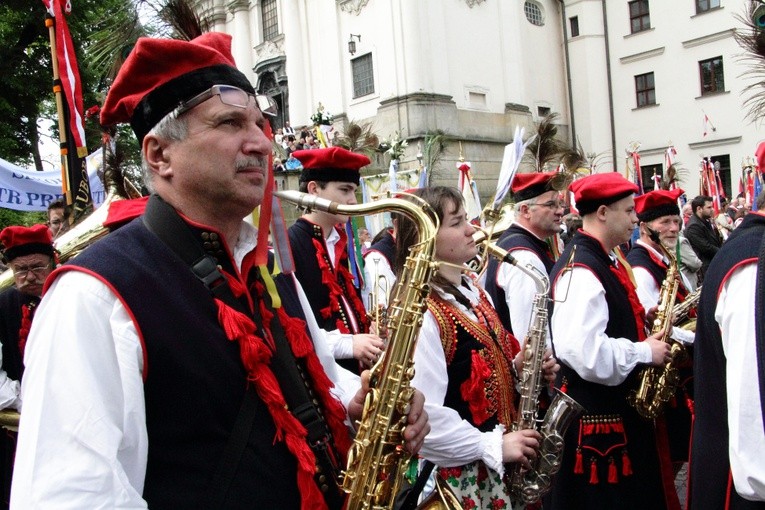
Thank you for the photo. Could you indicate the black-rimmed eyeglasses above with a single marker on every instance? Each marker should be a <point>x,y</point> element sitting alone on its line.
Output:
<point>231,96</point>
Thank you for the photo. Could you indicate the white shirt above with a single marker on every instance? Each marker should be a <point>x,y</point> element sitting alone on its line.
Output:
<point>648,292</point>
<point>10,396</point>
<point>452,441</point>
<point>735,315</point>
<point>520,290</point>
<point>579,331</point>
<point>82,440</point>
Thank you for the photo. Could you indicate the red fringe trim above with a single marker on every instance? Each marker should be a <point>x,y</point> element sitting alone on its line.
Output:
<point>26,325</point>
<point>330,278</point>
<point>637,309</point>
<point>473,390</point>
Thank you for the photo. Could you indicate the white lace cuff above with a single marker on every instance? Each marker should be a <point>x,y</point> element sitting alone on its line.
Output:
<point>492,449</point>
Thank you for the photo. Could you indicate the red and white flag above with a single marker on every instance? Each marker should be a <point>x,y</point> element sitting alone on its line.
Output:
<point>707,126</point>
<point>68,72</point>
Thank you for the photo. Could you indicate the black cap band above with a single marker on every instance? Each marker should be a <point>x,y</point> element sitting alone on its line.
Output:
<point>166,98</point>
<point>532,191</point>
<point>330,174</point>
<point>28,249</point>
<point>658,212</point>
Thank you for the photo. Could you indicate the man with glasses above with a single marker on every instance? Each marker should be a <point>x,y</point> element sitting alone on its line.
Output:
<point>28,251</point>
<point>174,372</point>
<point>538,214</point>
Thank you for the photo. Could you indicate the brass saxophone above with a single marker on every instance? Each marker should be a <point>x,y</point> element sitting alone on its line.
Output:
<point>658,384</point>
<point>530,485</point>
<point>681,314</point>
<point>377,459</point>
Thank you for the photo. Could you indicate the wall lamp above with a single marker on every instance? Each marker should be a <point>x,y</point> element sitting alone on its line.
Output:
<point>352,43</point>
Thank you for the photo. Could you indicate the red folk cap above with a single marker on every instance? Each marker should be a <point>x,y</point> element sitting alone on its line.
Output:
<point>18,241</point>
<point>529,185</point>
<point>331,164</point>
<point>160,74</point>
<point>600,189</point>
<point>658,203</point>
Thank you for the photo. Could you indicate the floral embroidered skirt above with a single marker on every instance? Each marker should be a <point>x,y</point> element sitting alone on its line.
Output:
<point>478,487</point>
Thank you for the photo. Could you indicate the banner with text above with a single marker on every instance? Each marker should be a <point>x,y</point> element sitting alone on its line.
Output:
<point>29,190</point>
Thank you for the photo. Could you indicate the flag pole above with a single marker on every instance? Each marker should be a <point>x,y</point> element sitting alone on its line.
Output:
<point>50,22</point>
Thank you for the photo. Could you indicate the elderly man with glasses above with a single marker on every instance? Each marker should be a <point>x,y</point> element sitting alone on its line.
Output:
<point>174,371</point>
<point>28,251</point>
<point>538,215</point>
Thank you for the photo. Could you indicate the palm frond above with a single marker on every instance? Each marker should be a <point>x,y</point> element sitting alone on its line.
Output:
<point>358,137</point>
<point>435,147</point>
<point>752,39</point>
<point>672,175</point>
<point>545,147</point>
<point>112,44</point>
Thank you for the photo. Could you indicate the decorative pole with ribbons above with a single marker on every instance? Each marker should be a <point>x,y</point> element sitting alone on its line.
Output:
<point>68,93</point>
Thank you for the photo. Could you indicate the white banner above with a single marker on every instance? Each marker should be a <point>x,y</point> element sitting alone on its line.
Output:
<point>29,190</point>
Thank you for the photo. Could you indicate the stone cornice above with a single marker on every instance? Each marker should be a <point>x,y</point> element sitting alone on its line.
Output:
<point>717,36</point>
<point>418,97</point>
<point>715,143</point>
<point>642,55</point>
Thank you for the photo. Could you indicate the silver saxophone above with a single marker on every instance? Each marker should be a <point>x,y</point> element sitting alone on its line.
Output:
<point>529,485</point>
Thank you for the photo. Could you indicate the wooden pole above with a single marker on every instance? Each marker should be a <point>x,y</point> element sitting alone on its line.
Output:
<point>50,22</point>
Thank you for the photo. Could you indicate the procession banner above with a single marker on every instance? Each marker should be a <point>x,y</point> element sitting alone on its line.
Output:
<point>374,187</point>
<point>29,190</point>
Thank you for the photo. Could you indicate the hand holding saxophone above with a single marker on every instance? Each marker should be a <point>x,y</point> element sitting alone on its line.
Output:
<point>367,348</point>
<point>417,425</point>
<point>521,446</point>
<point>660,350</point>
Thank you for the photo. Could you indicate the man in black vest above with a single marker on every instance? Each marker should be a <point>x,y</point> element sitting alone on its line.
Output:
<point>320,249</point>
<point>701,233</point>
<point>659,226</point>
<point>727,469</point>
<point>28,251</point>
<point>538,214</point>
<point>169,371</point>
<point>610,457</point>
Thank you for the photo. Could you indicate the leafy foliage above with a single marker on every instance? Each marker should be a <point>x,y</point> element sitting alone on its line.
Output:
<point>25,64</point>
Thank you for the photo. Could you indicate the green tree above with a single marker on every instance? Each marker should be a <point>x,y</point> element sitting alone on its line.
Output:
<point>25,65</point>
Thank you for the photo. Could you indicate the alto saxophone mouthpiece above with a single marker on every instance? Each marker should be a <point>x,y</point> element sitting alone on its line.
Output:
<point>307,201</point>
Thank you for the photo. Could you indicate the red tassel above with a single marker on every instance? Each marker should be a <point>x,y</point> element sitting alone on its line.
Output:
<point>626,464</point>
<point>564,386</point>
<point>612,476</point>
<point>594,472</point>
<point>579,464</point>
<point>473,391</point>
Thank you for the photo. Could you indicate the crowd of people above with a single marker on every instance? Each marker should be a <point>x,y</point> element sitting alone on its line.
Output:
<point>170,366</point>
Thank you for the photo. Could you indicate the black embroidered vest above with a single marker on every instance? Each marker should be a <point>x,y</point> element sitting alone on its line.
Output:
<point>710,465</point>
<point>194,379</point>
<point>514,238</point>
